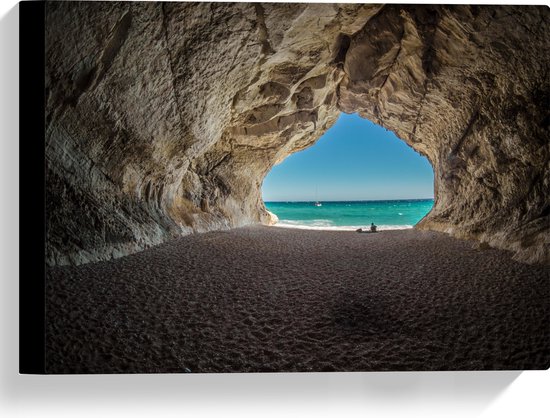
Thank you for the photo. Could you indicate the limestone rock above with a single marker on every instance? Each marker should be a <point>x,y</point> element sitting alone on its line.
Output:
<point>162,119</point>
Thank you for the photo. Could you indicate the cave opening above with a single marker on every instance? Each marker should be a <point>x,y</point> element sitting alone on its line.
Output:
<point>356,173</point>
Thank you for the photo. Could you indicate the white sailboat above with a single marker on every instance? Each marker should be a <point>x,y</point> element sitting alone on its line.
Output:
<point>317,203</point>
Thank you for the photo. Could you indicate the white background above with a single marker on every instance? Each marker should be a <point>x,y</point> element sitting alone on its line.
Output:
<point>487,394</point>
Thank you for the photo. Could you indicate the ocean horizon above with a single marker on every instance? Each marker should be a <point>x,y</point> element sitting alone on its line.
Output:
<point>349,215</point>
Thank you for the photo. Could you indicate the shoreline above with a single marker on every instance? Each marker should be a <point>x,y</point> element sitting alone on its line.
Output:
<point>340,228</point>
<point>349,215</point>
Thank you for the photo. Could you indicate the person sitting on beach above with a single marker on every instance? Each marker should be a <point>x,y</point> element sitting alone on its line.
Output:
<point>372,227</point>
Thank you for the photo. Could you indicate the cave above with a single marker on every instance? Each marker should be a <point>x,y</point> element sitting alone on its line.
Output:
<point>162,119</point>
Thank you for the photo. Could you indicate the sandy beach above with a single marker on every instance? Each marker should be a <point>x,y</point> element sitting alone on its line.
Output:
<point>261,299</point>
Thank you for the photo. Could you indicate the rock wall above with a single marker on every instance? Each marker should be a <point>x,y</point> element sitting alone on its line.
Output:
<point>162,119</point>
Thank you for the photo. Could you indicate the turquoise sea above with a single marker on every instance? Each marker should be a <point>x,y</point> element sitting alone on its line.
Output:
<point>386,214</point>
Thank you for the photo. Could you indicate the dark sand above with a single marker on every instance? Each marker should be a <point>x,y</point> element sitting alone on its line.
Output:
<point>274,299</point>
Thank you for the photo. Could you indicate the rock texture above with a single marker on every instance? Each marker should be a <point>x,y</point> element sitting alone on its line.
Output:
<point>162,119</point>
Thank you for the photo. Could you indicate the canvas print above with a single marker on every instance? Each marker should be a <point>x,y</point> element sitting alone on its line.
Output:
<point>295,187</point>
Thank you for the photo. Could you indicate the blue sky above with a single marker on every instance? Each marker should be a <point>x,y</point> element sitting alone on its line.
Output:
<point>354,160</point>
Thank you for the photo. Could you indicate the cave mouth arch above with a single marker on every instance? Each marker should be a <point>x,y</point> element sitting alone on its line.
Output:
<point>164,119</point>
<point>355,174</point>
